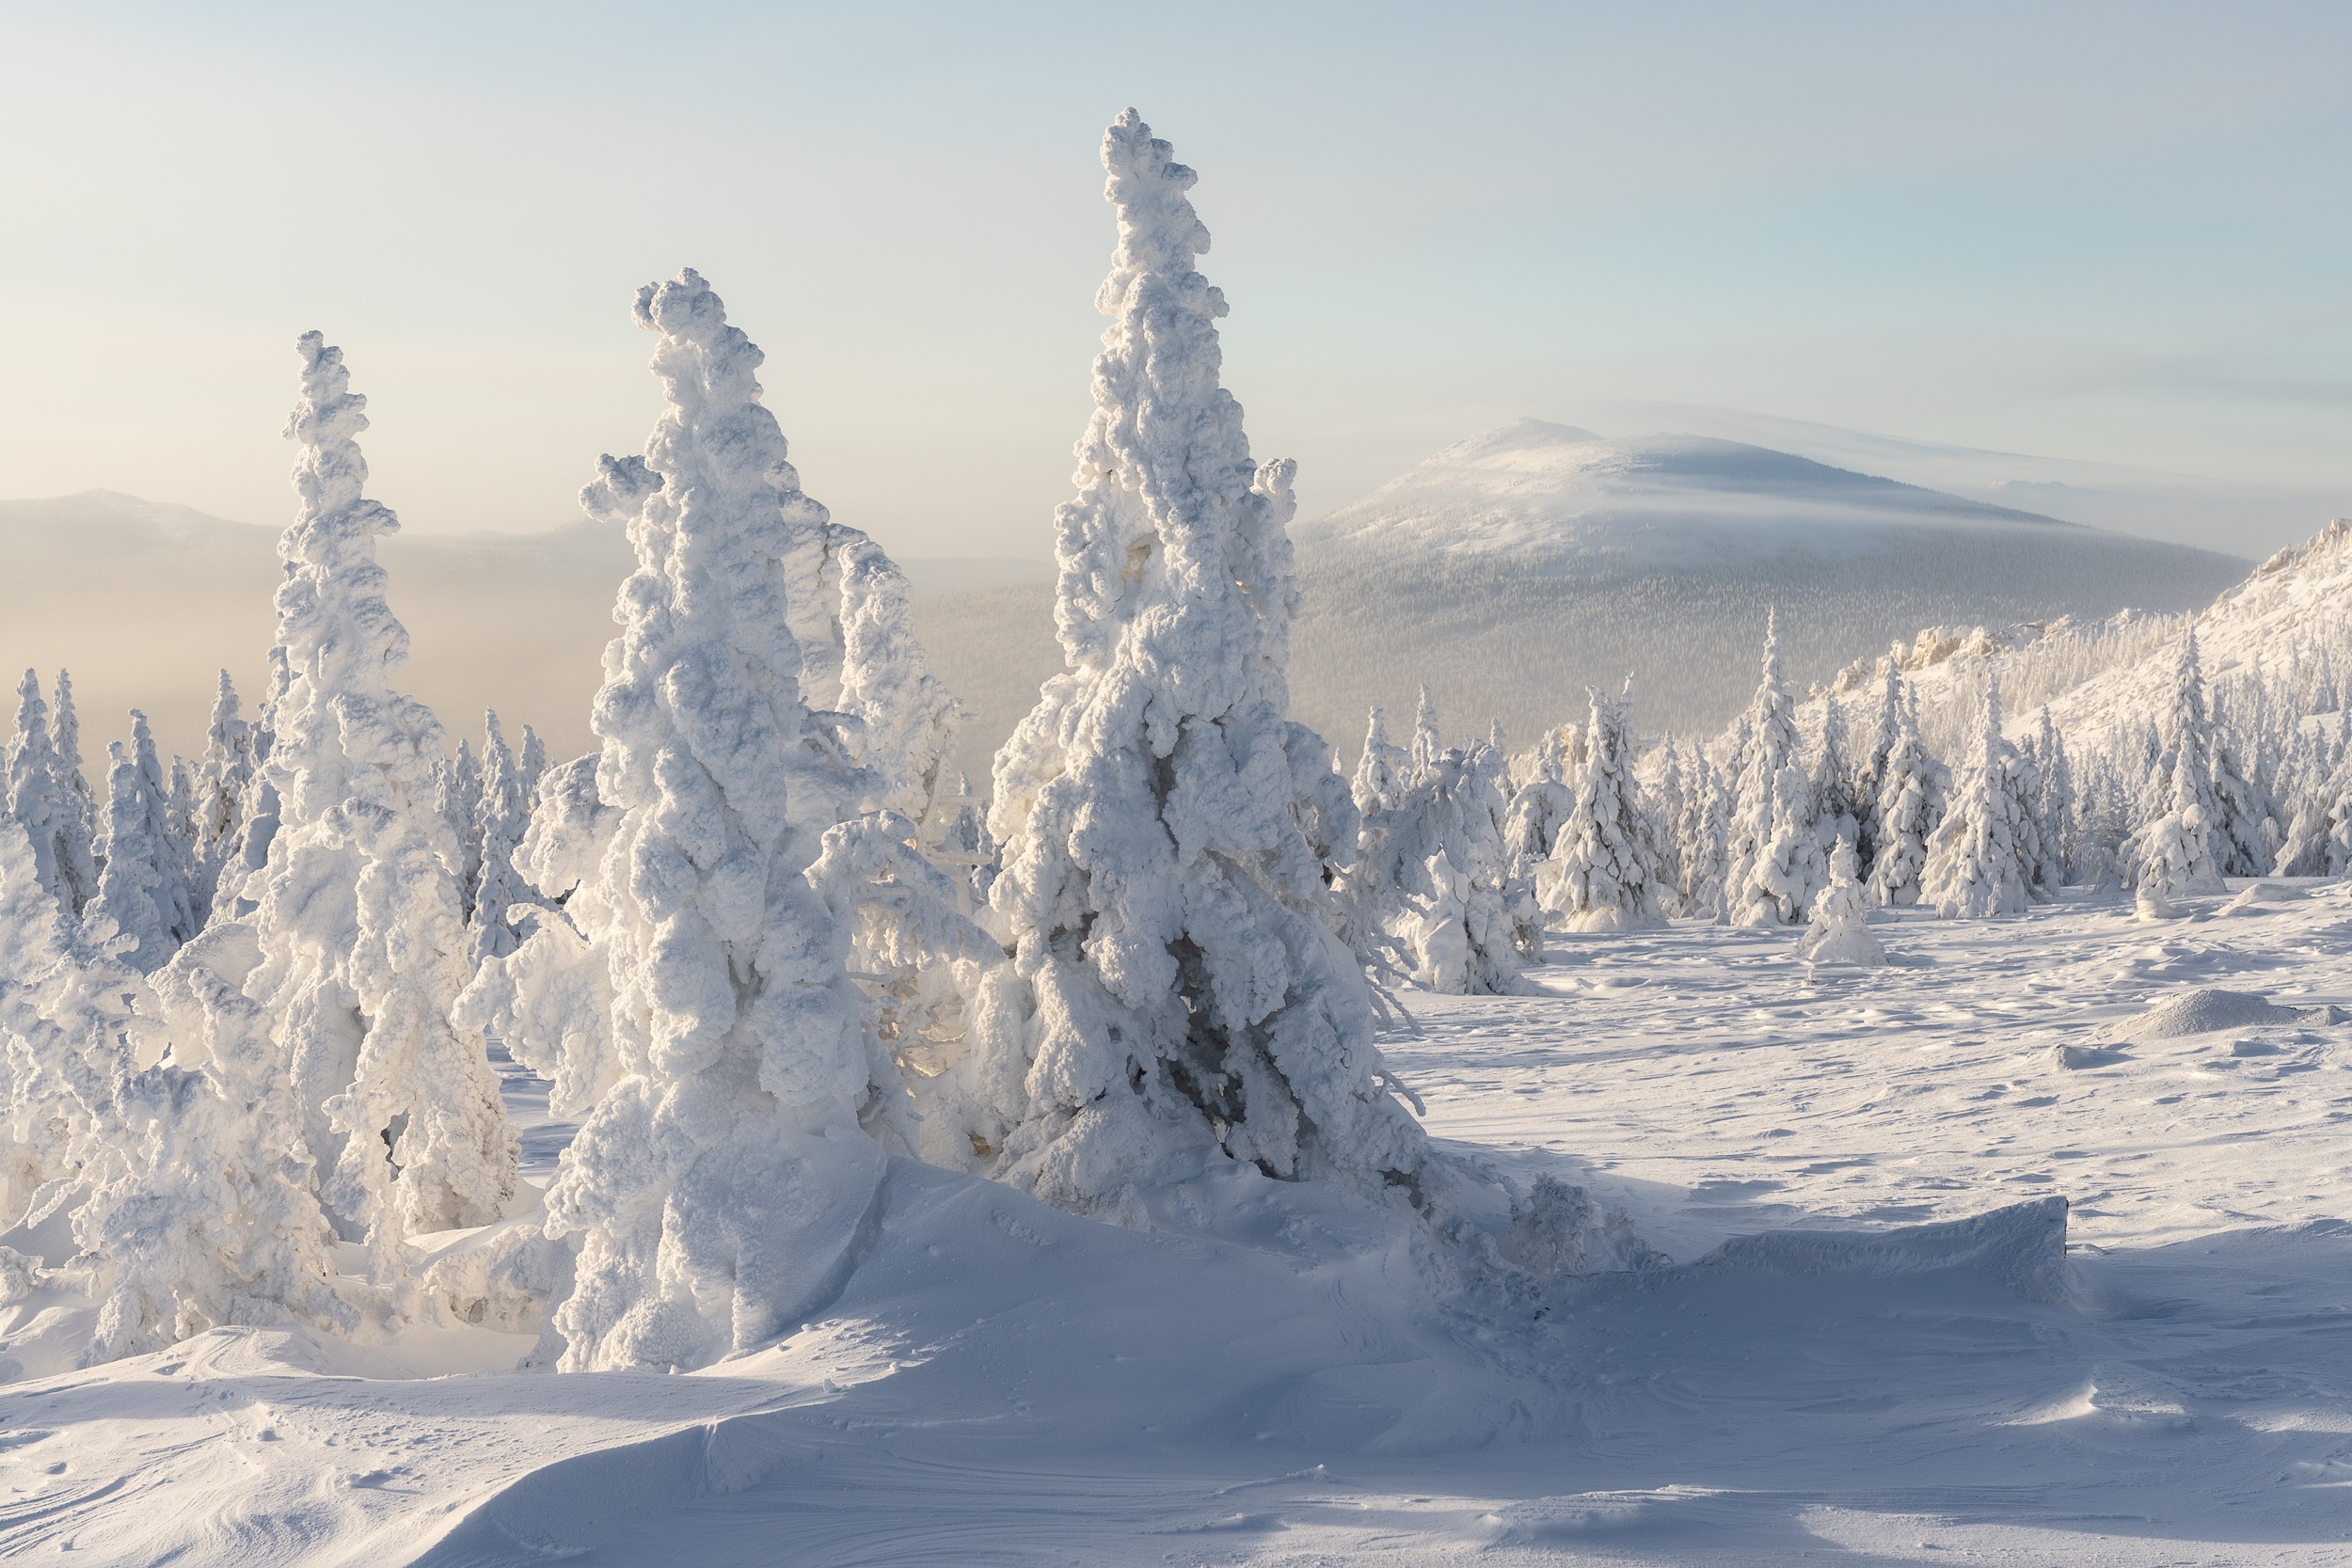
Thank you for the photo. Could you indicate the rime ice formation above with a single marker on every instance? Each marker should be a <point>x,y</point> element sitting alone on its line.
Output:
<point>354,952</point>
<point>1980,856</point>
<point>39,800</point>
<point>693,992</point>
<point>1776,856</point>
<point>1177,1003</point>
<point>1599,877</point>
<point>1381,770</point>
<point>909,717</point>
<point>501,815</point>
<point>1839,932</point>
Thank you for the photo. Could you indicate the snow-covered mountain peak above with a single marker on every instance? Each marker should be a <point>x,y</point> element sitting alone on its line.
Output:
<point>1650,501</point>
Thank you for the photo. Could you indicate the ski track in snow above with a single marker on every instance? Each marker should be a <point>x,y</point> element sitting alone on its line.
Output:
<point>1003,1383</point>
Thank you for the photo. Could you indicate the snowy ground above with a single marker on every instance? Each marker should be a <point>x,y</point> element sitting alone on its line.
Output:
<point>1004,1384</point>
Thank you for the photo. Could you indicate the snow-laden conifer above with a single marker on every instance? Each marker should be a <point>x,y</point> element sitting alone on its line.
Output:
<point>1771,877</point>
<point>1179,1001</point>
<point>1980,856</point>
<point>77,845</point>
<point>1839,931</point>
<point>353,951</point>
<point>1703,836</point>
<point>1837,790</point>
<point>2173,855</point>
<point>1598,877</point>
<point>1383,770</point>
<point>223,792</point>
<point>2051,809</point>
<point>38,797</point>
<point>1433,875</point>
<point>1428,743</point>
<point>501,815</point>
<point>909,716</point>
<point>1913,787</point>
<point>694,990</point>
<point>134,897</point>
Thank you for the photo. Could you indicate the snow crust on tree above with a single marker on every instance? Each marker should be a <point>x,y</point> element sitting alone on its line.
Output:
<point>693,989</point>
<point>1599,877</point>
<point>1839,930</point>
<point>225,786</point>
<point>1177,1001</point>
<point>1911,788</point>
<point>1432,874</point>
<point>343,976</point>
<point>1383,770</point>
<point>910,719</point>
<point>40,801</point>
<point>1428,742</point>
<point>501,816</point>
<point>2173,856</point>
<point>1980,856</point>
<point>1773,875</point>
<point>77,845</point>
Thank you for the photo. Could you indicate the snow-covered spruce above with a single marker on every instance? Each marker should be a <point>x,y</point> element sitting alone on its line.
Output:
<point>1177,1001</point>
<point>1775,861</point>
<point>1433,877</point>
<point>225,786</point>
<point>77,846</point>
<point>1981,857</point>
<point>2173,856</point>
<point>693,989</point>
<point>355,951</point>
<point>1911,788</point>
<point>1598,877</point>
<point>1839,932</point>
<point>40,800</point>
<point>908,717</point>
<point>1382,770</point>
<point>501,815</point>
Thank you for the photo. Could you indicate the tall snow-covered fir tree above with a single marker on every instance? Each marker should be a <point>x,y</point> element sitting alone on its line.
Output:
<point>1428,743</point>
<point>1982,856</point>
<point>693,995</point>
<point>1437,891</point>
<point>1911,790</point>
<point>909,716</point>
<point>1382,771</point>
<point>501,815</point>
<point>1598,877</point>
<point>1771,877</point>
<point>224,791</point>
<point>2173,854</point>
<point>355,951</point>
<point>1177,1002</point>
<point>79,846</point>
<point>40,800</point>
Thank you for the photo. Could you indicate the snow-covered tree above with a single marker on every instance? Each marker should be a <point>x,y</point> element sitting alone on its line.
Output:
<point>1912,791</point>
<point>223,792</point>
<point>38,797</point>
<point>457,794</point>
<point>1178,1000</point>
<point>1383,772</point>
<point>354,950</point>
<point>2173,855</point>
<point>134,902</point>
<point>1428,742</point>
<point>1599,877</point>
<point>1772,876</point>
<point>1703,836</point>
<point>1839,932</point>
<point>77,845</point>
<point>1980,856</point>
<point>501,815</point>
<point>1838,798</point>
<point>693,990</point>
<point>1433,878</point>
<point>2051,810</point>
<point>909,717</point>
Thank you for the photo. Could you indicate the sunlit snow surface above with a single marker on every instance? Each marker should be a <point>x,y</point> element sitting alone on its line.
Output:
<point>1004,1384</point>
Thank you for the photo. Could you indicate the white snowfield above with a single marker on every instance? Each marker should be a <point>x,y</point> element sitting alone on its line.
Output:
<point>1897,1365</point>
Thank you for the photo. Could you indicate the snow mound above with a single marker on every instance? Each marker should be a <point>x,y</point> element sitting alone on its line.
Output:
<point>2207,1009</point>
<point>2021,1247</point>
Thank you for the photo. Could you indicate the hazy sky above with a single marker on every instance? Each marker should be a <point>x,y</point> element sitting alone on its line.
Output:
<point>2105,232</point>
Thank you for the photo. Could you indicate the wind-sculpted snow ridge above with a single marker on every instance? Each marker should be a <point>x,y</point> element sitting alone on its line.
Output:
<point>694,990</point>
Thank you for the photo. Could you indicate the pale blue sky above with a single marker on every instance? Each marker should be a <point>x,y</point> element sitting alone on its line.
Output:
<point>2115,232</point>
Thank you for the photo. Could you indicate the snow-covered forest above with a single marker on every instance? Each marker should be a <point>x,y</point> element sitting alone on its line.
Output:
<point>264,1007</point>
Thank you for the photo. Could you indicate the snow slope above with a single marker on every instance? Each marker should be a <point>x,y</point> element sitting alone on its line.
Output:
<point>1003,1383</point>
